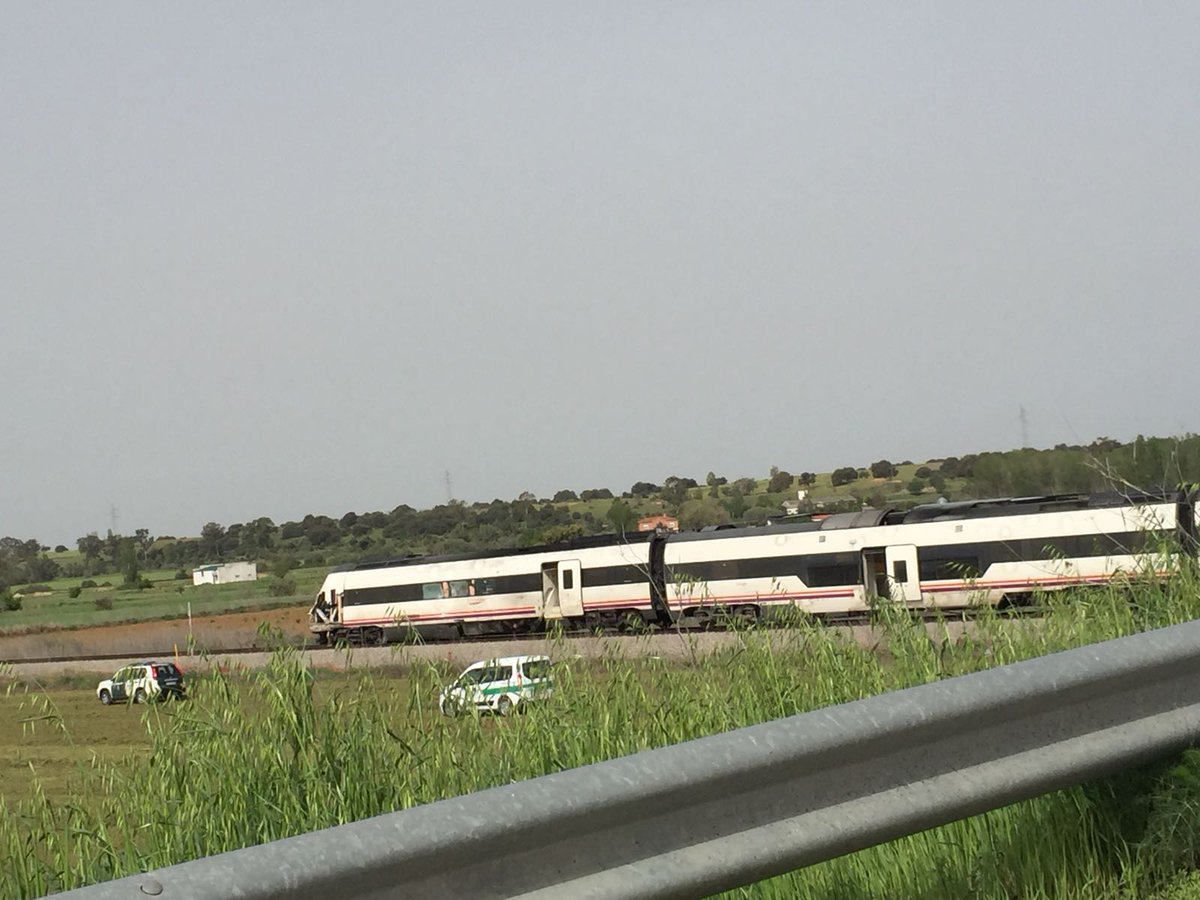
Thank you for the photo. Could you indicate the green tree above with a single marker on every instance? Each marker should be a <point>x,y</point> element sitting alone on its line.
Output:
<point>883,469</point>
<point>212,540</point>
<point>780,481</point>
<point>844,475</point>
<point>127,560</point>
<point>90,546</point>
<point>621,515</point>
<point>916,486</point>
<point>695,514</point>
<point>736,503</point>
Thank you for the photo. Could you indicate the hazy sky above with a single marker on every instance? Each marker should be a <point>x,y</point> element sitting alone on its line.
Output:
<point>272,259</point>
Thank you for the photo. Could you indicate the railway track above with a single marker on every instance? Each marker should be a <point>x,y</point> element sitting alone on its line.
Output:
<point>650,642</point>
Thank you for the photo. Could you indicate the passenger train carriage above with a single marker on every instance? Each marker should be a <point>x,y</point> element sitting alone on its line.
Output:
<point>946,555</point>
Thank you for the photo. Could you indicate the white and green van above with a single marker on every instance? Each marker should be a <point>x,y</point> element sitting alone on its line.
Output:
<point>503,686</point>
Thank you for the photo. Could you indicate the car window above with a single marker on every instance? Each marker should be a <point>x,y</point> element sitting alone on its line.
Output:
<point>168,669</point>
<point>473,676</point>
<point>537,668</point>
<point>119,676</point>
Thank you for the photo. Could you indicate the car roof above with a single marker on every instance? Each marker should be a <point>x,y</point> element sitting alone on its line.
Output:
<point>507,661</point>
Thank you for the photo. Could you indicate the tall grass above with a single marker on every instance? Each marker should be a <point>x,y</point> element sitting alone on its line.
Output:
<point>261,755</point>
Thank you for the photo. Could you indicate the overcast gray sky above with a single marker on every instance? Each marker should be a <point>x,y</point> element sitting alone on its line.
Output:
<point>272,259</point>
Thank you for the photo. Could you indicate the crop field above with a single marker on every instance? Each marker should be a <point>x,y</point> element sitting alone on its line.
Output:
<point>90,793</point>
<point>167,598</point>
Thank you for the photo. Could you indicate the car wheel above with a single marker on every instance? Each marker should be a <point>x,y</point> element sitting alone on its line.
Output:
<point>139,696</point>
<point>504,706</point>
<point>105,698</point>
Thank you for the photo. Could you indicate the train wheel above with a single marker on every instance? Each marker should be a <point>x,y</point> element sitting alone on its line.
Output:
<point>745,616</point>
<point>630,623</point>
<point>373,637</point>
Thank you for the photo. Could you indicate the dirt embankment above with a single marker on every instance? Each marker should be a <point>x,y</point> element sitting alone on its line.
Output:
<point>233,631</point>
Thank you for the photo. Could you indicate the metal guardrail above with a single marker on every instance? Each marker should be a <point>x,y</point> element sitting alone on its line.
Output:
<point>727,810</point>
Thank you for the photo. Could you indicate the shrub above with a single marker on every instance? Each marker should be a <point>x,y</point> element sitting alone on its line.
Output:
<point>36,589</point>
<point>10,602</point>
<point>923,472</point>
<point>87,583</point>
<point>74,592</point>
<point>182,575</point>
<point>105,584</point>
<point>61,548</point>
<point>103,602</point>
<point>282,587</point>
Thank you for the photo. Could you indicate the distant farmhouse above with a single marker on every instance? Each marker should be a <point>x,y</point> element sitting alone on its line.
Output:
<point>652,523</point>
<point>225,573</point>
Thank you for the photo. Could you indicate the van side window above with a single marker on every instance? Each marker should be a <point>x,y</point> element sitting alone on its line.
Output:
<point>537,668</point>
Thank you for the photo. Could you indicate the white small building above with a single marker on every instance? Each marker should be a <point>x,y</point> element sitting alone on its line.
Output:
<point>225,573</point>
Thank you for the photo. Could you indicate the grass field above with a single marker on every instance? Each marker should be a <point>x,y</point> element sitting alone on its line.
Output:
<point>166,598</point>
<point>284,750</point>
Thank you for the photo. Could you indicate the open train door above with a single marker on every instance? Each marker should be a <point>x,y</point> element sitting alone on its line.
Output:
<point>562,594</point>
<point>903,576</point>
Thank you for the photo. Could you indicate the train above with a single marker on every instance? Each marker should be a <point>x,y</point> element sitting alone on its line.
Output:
<point>944,556</point>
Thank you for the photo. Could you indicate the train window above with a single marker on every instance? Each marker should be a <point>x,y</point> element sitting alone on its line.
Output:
<point>951,569</point>
<point>484,586</point>
<point>900,570</point>
<point>831,576</point>
<point>459,588</point>
<point>568,579</point>
<point>431,590</point>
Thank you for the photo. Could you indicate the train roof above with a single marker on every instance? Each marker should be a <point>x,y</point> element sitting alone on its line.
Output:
<point>582,543</point>
<point>1009,506</point>
<point>864,518</point>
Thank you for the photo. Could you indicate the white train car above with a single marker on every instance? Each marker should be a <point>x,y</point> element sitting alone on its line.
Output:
<point>592,583</point>
<point>949,555</point>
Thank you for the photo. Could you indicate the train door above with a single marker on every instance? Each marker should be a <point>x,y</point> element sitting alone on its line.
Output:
<point>902,573</point>
<point>570,590</point>
<point>562,593</point>
<point>875,573</point>
<point>549,608</point>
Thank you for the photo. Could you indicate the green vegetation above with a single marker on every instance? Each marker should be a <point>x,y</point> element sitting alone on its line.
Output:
<point>267,754</point>
<point>165,597</point>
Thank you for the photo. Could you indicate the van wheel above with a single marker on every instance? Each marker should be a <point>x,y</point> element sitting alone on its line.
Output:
<point>504,706</point>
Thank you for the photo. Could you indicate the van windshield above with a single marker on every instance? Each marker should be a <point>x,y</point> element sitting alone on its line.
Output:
<point>486,674</point>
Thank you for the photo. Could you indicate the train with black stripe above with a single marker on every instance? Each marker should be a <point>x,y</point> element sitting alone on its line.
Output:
<point>946,556</point>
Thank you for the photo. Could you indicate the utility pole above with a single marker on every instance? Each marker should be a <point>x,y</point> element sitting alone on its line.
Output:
<point>112,517</point>
<point>449,487</point>
<point>1024,428</point>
